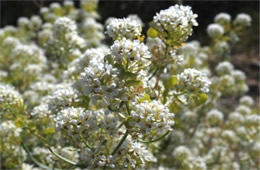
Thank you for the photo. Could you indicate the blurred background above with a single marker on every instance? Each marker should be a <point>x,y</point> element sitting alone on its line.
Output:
<point>246,53</point>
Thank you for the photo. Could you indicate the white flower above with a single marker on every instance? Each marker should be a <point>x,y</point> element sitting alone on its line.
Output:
<point>178,59</point>
<point>224,67</point>
<point>229,135</point>
<point>151,117</point>
<point>139,150</point>
<point>136,18</point>
<point>194,80</point>
<point>253,120</point>
<point>181,153</point>
<point>246,100</point>
<point>62,97</point>
<point>90,56</point>
<point>222,47</point>
<point>8,130</point>
<point>243,19</point>
<point>64,25</point>
<point>125,27</point>
<point>93,32</point>
<point>23,22</point>
<point>68,3</point>
<point>215,30</point>
<point>41,111</point>
<point>132,55</point>
<point>44,10</point>
<point>9,95</point>
<point>198,163</point>
<point>222,18</point>
<point>190,48</point>
<point>55,6</point>
<point>243,109</point>
<point>214,117</point>
<point>11,42</point>
<point>36,22</point>
<point>238,75</point>
<point>176,19</point>
<point>69,117</point>
<point>236,118</point>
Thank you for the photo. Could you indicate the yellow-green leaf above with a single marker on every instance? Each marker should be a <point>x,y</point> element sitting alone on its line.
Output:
<point>201,98</point>
<point>172,81</point>
<point>146,97</point>
<point>152,32</point>
<point>50,130</point>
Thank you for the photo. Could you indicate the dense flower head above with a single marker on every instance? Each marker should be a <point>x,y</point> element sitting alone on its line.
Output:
<point>243,19</point>
<point>215,30</point>
<point>69,117</point>
<point>9,95</point>
<point>65,25</point>
<point>235,118</point>
<point>101,83</point>
<point>151,117</point>
<point>177,19</point>
<point>224,68</point>
<point>247,100</point>
<point>90,56</point>
<point>238,75</point>
<point>222,18</point>
<point>9,130</point>
<point>214,117</point>
<point>132,55</point>
<point>194,80</point>
<point>70,100</point>
<point>62,97</point>
<point>125,27</point>
<point>181,153</point>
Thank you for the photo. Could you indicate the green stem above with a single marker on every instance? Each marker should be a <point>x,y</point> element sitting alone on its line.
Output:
<point>154,73</point>
<point>155,140</point>
<point>120,143</point>
<point>85,142</point>
<point>61,157</point>
<point>127,108</point>
<point>54,153</point>
<point>121,124</point>
<point>33,159</point>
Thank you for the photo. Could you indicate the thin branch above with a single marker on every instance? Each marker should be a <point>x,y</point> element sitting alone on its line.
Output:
<point>120,143</point>
<point>155,140</point>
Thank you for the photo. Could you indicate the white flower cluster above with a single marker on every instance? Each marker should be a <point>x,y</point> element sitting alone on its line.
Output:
<point>224,68</point>
<point>133,56</point>
<point>232,81</point>
<point>243,19</point>
<point>93,32</point>
<point>9,130</point>
<point>176,19</point>
<point>194,55</point>
<point>70,101</point>
<point>214,117</point>
<point>9,96</point>
<point>99,82</point>
<point>222,18</point>
<point>64,25</point>
<point>215,30</point>
<point>193,80</point>
<point>62,98</point>
<point>90,56</point>
<point>247,100</point>
<point>64,41</point>
<point>151,117</point>
<point>125,27</point>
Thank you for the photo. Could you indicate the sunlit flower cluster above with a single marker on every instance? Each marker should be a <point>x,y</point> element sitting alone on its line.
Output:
<point>68,100</point>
